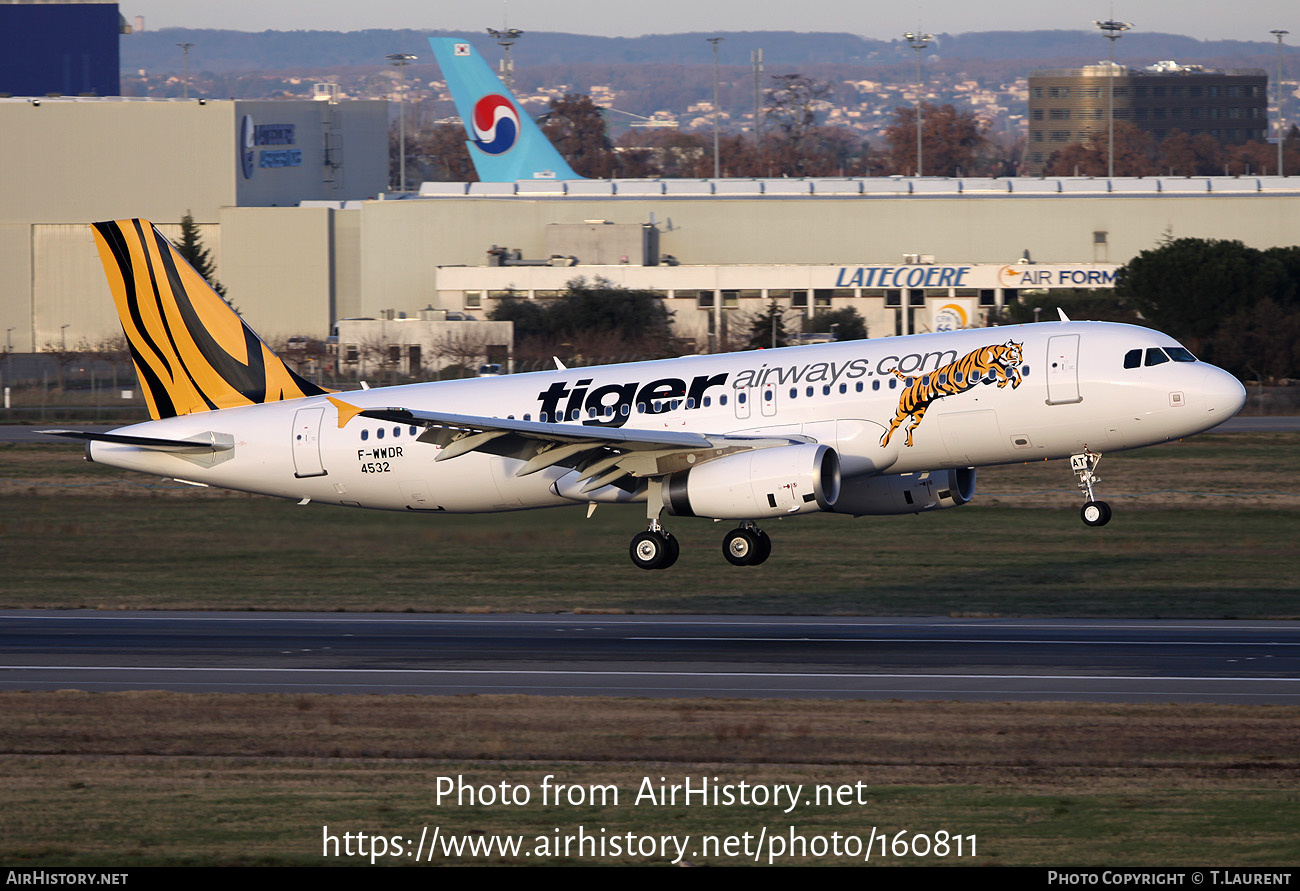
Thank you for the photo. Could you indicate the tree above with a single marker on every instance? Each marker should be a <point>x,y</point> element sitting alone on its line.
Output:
<point>1187,286</point>
<point>1080,304</point>
<point>192,249</point>
<point>953,141</point>
<point>590,321</point>
<point>1135,154</point>
<point>1260,342</point>
<point>847,321</point>
<point>767,329</point>
<point>435,153</point>
<point>794,104</point>
<point>1182,154</point>
<point>576,128</point>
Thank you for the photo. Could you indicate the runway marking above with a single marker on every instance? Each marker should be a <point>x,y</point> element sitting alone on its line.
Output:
<point>615,621</point>
<point>688,674</point>
<point>980,640</point>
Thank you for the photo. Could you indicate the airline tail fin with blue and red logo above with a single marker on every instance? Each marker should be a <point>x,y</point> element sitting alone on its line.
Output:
<point>504,143</point>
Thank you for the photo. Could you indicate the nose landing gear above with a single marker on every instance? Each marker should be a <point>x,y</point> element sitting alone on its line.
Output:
<point>1093,512</point>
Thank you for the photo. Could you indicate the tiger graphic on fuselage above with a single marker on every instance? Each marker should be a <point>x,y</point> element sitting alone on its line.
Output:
<point>983,366</point>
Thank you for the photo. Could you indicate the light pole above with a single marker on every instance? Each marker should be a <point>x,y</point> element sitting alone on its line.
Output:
<point>185,84</point>
<point>1112,31</point>
<point>918,42</point>
<point>506,38</point>
<point>717,167</point>
<point>756,59</point>
<point>400,61</point>
<point>1281,133</point>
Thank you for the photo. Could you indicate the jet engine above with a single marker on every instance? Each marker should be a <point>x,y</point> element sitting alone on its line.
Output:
<point>773,482</point>
<point>906,493</point>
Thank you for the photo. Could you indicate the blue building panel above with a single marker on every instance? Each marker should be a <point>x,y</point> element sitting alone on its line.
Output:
<point>66,48</point>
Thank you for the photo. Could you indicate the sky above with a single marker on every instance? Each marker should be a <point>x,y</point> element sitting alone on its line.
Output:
<point>1204,19</point>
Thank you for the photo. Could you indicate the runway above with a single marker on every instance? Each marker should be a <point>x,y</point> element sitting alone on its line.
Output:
<point>1244,662</point>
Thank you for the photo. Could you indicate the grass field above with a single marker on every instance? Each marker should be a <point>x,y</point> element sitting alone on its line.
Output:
<point>253,779</point>
<point>1203,528</point>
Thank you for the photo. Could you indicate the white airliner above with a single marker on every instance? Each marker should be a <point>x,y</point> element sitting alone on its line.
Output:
<point>888,426</point>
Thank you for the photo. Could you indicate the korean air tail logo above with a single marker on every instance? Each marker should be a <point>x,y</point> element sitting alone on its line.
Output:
<point>496,124</point>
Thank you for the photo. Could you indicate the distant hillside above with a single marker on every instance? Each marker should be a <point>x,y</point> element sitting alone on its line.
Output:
<point>238,51</point>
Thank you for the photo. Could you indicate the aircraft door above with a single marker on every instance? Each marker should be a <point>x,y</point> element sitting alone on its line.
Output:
<point>306,442</point>
<point>1063,370</point>
<point>768,397</point>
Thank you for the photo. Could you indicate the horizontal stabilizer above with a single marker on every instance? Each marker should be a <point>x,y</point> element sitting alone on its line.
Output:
<point>207,442</point>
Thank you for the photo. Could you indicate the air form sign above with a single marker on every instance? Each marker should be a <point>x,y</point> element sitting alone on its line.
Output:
<point>1031,275</point>
<point>252,135</point>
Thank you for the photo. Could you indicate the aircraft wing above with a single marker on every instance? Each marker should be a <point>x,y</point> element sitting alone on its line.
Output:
<point>602,455</point>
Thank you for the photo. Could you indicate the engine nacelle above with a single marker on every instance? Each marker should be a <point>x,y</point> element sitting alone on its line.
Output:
<point>774,482</point>
<point>906,493</point>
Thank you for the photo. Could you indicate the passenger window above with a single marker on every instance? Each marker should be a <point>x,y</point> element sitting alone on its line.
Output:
<point>793,393</point>
<point>893,382</point>
<point>397,431</point>
<point>1156,356</point>
<point>625,409</point>
<point>365,434</point>
<point>767,395</point>
<point>875,385</point>
<point>810,391</point>
<point>741,396</point>
<point>708,400</point>
<point>826,390</point>
<point>957,378</point>
<point>412,431</point>
<point>722,400</point>
<point>1133,359</point>
<point>1024,371</point>
<point>844,388</point>
<point>379,434</point>
<point>858,386</point>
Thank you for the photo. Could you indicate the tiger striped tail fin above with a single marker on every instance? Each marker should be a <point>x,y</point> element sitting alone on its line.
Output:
<point>192,351</point>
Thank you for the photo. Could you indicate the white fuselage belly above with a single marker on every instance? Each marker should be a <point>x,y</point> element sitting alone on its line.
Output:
<point>1073,394</point>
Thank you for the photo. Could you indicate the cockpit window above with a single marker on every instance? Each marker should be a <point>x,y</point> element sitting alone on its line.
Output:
<point>1156,356</point>
<point>1133,359</point>
<point>1180,354</point>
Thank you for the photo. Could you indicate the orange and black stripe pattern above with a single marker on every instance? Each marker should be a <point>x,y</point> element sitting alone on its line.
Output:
<point>983,366</point>
<point>191,350</point>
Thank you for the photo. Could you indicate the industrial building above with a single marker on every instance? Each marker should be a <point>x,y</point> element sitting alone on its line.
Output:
<point>71,161</point>
<point>1072,105</point>
<point>290,199</point>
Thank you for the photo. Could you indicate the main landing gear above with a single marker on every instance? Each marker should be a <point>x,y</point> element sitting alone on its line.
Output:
<point>656,548</point>
<point>746,545</point>
<point>1093,512</point>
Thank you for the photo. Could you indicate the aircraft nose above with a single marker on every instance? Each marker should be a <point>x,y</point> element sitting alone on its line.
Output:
<point>1220,394</point>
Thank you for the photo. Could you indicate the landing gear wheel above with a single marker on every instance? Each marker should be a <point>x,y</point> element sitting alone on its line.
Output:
<point>764,549</point>
<point>654,550</point>
<point>1095,513</point>
<point>741,547</point>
